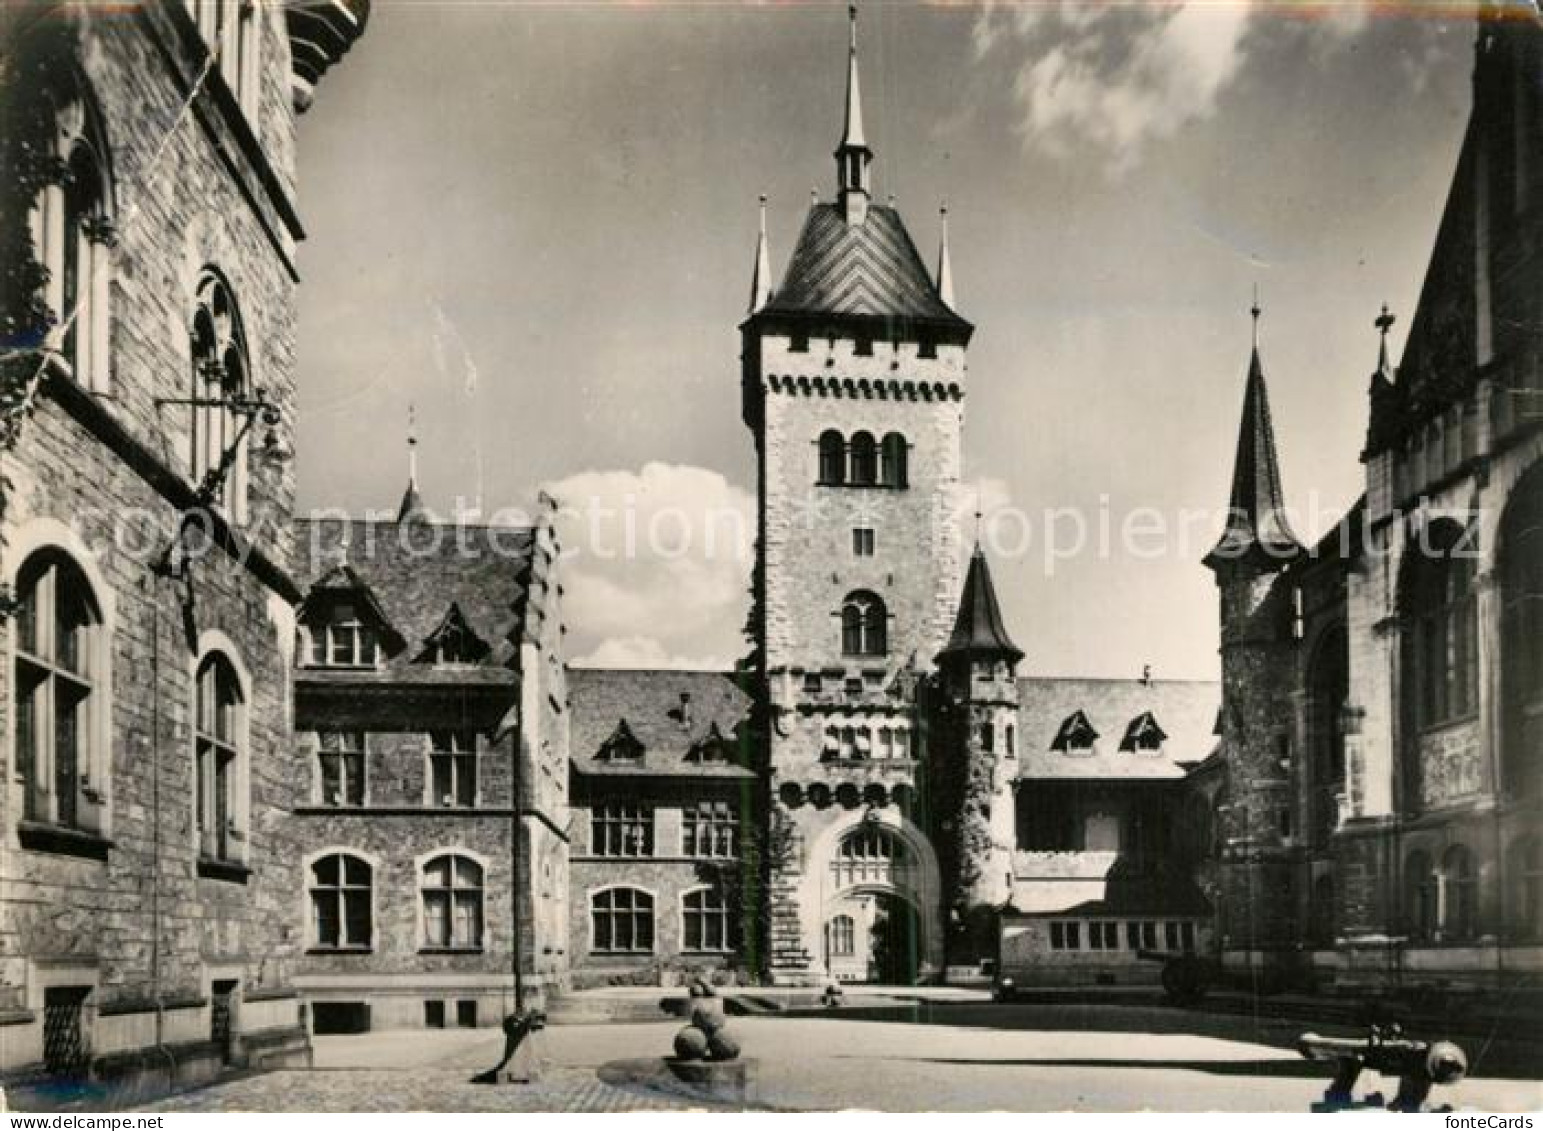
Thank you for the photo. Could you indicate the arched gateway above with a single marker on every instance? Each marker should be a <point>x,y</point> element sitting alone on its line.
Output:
<point>873,914</point>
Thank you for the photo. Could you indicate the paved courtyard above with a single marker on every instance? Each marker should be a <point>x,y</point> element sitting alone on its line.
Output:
<point>1008,1058</point>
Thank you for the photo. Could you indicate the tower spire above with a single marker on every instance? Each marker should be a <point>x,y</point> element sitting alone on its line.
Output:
<point>945,278</point>
<point>760,281</point>
<point>978,629</point>
<point>412,501</point>
<point>853,154</point>
<point>1257,529</point>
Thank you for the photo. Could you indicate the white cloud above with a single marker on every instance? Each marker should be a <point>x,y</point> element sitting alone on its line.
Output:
<point>656,566</point>
<point>1115,77</point>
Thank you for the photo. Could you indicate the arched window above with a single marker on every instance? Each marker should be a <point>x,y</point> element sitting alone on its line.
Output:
<point>1520,549</point>
<point>707,922</point>
<point>73,232</point>
<point>219,376</point>
<point>1524,871</point>
<point>892,461</point>
<point>60,692</point>
<point>341,916</point>
<point>864,460</point>
<point>841,936</point>
<point>452,903</point>
<point>833,458</point>
<point>1328,688</point>
<point>219,736</point>
<point>623,921</point>
<point>872,854</point>
<point>1440,638</point>
<point>864,625</point>
<point>1460,895</point>
<point>1420,897</point>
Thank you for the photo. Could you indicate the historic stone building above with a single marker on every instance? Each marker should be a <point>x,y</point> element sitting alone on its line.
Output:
<point>905,758</point>
<point>1377,786</point>
<point>432,827</point>
<point>147,243</point>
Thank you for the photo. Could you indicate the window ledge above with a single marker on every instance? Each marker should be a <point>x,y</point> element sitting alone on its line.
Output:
<point>39,836</point>
<point>449,950</point>
<point>326,950</point>
<point>231,871</point>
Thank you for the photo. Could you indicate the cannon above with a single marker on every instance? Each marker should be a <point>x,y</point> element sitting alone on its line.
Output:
<point>1419,1065</point>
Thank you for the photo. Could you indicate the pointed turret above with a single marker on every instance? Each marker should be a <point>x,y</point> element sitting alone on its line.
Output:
<point>979,633</point>
<point>853,154</point>
<point>412,502</point>
<point>945,279</point>
<point>1257,531</point>
<point>760,281</point>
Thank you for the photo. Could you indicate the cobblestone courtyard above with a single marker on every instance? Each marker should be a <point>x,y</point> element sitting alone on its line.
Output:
<point>825,1063</point>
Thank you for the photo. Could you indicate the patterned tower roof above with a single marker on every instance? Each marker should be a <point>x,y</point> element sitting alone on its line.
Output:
<point>869,269</point>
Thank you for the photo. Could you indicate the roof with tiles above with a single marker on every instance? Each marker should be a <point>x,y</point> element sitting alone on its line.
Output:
<point>1117,710</point>
<point>673,716</point>
<point>419,578</point>
<point>868,269</point>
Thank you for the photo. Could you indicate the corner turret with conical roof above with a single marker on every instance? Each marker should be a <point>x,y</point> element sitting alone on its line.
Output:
<point>973,768</point>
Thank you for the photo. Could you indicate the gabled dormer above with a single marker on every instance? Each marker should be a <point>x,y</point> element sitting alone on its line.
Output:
<point>453,642</point>
<point>711,749</point>
<point>1075,736</point>
<point>342,624</point>
<point>1143,735</point>
<point>622,746</point>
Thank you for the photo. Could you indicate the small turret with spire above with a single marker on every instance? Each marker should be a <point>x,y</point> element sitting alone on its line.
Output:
<point>760,280</point>
<point>853,155</point>
<point>412,502</point>
<point>945,280</point>
<point>1257,531</point>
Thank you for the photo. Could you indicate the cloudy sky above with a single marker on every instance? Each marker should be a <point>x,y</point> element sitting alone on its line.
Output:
<point>535,222</point>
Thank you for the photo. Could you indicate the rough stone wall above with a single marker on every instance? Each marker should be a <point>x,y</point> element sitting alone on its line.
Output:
<point>1256,897</point>
<point>144,924</point>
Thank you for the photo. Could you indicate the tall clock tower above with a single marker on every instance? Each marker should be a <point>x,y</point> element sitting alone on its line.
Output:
<point>853,379</point>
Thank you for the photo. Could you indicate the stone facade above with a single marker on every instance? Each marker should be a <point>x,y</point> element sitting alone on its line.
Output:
<point>1397,819</point>
<point>145,911</point>
<point>461,734</point>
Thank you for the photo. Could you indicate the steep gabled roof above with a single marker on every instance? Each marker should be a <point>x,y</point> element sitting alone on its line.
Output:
<point>1187,709</point>
<point>978,628</point>
<point>870,269</point>
<point>672,714</point>
<point>416,570</point>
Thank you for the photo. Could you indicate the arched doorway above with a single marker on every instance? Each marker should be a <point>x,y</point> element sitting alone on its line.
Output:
<point>873,926</point>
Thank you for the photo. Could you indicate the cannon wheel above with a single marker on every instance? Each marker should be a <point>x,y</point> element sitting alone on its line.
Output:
<point>1184,981</point>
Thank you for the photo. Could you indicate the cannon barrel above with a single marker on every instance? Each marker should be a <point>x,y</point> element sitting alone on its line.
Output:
<point>1440,1062</point>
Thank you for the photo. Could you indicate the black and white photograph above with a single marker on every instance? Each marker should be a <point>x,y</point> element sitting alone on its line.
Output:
<point>781,556</point>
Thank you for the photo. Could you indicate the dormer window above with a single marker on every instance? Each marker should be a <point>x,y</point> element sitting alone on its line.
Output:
<point>711,749</point>
<point>453,642</point>
<point>1143,735</point>
<point>343,641</point>
<point>1076,735</point>
<point>622,746</point>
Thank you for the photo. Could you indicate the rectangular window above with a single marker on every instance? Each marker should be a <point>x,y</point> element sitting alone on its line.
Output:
<point>988,734</point>
<point>1187,936</point>
<point>1171,935</point>
<point>434,1014</point>
<point>798,343</point>
<point>864,347</point>
<point>812,683</point>
<point>1065,936</point>
<point>341,754</point>
<point>453,769</point>
<point>466,1014</point>
<point>1149,935</point>
<point>927,348</point>
<point>621,828</point>
<point>862,542</point>
<point>709,829</point>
